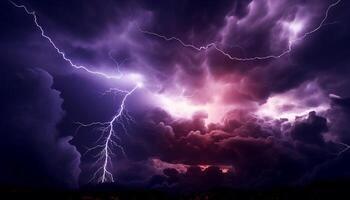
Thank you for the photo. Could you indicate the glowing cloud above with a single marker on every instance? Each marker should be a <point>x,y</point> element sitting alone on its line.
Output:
<point>180,106</point>
<point>289,104</point>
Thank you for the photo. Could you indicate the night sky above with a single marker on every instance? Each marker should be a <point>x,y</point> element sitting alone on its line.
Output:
<point>174,94</point>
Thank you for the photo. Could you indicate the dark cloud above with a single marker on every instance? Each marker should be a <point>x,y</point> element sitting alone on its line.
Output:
<point>258,151</point>
<point>310,131</point>
<point>33,153</point>
<point>261,151</point>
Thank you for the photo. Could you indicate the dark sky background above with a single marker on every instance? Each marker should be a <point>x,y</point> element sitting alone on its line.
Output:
<point>264,122</point>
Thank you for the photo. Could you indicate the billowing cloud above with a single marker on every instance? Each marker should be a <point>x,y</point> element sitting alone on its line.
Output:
<point>201,114</point>
<point>33,152</point>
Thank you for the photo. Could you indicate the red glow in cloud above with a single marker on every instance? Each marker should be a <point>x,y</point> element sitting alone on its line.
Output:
<point>182,168</point>
<point>223,168</point>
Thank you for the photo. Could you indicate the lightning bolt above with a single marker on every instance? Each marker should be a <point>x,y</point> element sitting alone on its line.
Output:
<point>346,148</point>
<point>117,63</point>
<point>229,56</point>
<point>109,135</point>
<point>60,52</point>
<point>109,139</point>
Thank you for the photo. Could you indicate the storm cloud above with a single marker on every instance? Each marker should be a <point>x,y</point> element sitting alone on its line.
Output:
<point>274,112</point>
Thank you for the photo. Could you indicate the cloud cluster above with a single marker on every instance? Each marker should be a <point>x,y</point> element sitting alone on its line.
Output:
<point>250,97</point>
<point>260,151</point>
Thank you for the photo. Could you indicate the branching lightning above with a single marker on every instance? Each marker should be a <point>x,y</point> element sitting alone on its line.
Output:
<point>345,149</point>
<point>109,140</point>
<point>118,64</point>
<point>226,54</point>
<point>109,137</point>
<point>59,51</point>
